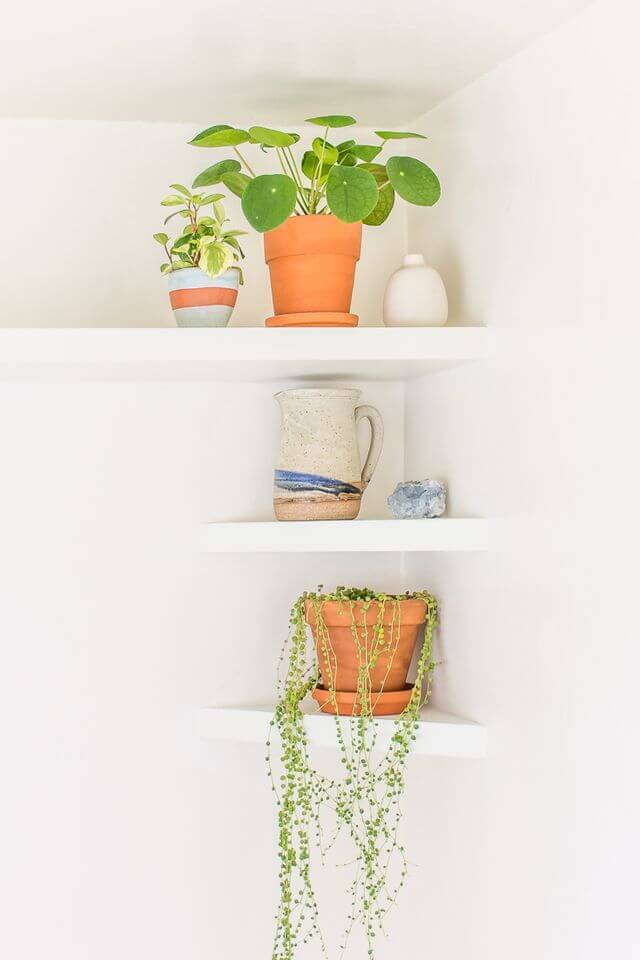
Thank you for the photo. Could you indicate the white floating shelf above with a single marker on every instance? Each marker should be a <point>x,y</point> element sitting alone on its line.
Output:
<point>341,536</point>
<point>439,734</point>
<point>235,353</point>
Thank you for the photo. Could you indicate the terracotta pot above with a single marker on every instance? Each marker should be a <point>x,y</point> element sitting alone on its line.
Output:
<point>312,262</point>
<point>390,671</point>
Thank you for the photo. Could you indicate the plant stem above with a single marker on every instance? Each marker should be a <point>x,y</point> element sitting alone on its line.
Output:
<point>242,160</point>
<point>315,196</point>
<point>292,173</point>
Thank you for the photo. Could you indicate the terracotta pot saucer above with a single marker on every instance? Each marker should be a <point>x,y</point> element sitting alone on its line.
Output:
<point>387,703</point>
<point>313,319</point>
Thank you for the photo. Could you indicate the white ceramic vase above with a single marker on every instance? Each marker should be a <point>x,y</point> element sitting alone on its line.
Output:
<point>318,474</point>
<point>415,296</point>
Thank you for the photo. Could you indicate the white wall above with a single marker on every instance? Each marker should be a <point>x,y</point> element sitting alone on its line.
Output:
<point>81,201</point>
<point>123,835</point>
<point>535,854</point>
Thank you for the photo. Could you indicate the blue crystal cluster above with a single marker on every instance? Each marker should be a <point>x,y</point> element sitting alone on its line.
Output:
<point>416,499</point>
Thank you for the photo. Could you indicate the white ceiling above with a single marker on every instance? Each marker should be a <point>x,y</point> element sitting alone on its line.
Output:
<point>282,60</point>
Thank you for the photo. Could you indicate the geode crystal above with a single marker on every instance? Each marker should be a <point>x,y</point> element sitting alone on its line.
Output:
<point>418,498</point>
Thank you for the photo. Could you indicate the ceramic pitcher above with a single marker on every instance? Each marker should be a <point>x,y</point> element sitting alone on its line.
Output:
<point>318,474</point>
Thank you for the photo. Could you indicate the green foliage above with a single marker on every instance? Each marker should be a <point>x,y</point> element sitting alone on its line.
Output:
<point>272,138</point>
<point>378,171</point>
<point>384,206</point>
<point>352,193</point>
<point>414,180</point>
<point>325,152</point>
<point>363,151</point>
<point>221,135</point>
<point>333,121</point>
<point>398,135</point>
<point>235,181</point>
<point>268,201</point>
<point>339,176</point>
<point>216,256</point>
<point>203,242</point>
<point>213,174</point>
<point>364,803</point>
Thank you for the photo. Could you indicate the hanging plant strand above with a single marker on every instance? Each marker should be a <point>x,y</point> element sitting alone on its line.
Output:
<point>365,802</point>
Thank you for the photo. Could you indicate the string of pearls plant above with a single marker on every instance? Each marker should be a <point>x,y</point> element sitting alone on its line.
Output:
<point>363,803</point>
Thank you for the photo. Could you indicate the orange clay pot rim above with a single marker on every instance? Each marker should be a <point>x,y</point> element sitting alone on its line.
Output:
<point>370,603</point>
<point>343,606</point>
<point>316,216</point>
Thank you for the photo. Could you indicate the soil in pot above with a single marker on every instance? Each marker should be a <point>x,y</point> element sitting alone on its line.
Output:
<point>312,262</point>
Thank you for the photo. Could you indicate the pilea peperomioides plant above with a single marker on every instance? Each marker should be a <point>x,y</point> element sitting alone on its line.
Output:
<point>346,179</point>
<point>363,805</point>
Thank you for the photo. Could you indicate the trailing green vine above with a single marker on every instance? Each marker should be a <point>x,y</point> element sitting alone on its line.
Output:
<point>364,803</point>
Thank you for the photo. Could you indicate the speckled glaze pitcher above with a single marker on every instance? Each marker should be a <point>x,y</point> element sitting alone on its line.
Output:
<point>318,474</point>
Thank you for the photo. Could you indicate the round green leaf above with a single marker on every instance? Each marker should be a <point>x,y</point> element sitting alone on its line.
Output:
<point>399,135</point>
<point>221,135</point>
<point>214,174</point>
<point>310,164</point>
<point>161,238</point>
<point>378,171</point>
<point>414,180</point>
<point>345,146</point>
<point>382,209</point>
<point>268,201</point>
<point>365,152</point>
<point>235,181</point>
<point>333,121</point>
<point>329,154</point>
<point>271,138</point>
<point>352,193</point>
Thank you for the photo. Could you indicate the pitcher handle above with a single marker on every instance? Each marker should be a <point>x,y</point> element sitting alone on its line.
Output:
<point>377,435</point>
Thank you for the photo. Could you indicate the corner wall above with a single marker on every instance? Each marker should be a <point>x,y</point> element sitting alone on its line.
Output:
<point>537,235</point>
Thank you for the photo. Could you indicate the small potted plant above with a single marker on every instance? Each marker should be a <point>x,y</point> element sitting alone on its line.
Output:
<point>312,212</point>
<point>361,645</point>
<point>202,261</point>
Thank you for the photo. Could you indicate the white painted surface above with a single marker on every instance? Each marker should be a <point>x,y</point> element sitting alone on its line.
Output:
<point>124,837</point>
<point>131,60</point>
<point>333,536</point>
<point>439,734</point>
<point>236,354</point>
<point>119,831</point>
<point>103,183</point>
<point>538,234</point>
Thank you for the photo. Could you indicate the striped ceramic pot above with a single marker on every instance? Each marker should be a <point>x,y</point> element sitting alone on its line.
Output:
<point>199,301</point>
